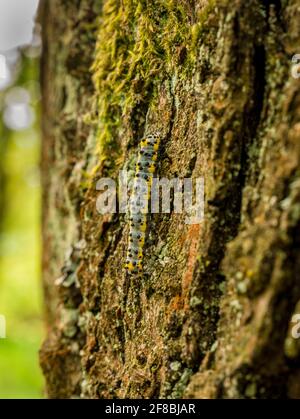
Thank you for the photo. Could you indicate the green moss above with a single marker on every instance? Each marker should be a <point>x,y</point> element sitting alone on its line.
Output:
<point>140,44</point>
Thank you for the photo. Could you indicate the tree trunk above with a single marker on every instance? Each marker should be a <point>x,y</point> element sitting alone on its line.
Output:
<point>211,315</point>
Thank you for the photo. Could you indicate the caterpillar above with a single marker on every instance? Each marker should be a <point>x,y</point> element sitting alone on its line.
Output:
<point>139,200</point>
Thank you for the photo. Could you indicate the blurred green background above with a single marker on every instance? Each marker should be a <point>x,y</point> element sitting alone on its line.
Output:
<point>20,242</point>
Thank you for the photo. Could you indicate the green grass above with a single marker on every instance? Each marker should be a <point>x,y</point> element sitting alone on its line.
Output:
<point>20,287</point>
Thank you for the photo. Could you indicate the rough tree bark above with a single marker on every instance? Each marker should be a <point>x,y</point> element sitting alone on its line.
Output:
<point>211,316</point>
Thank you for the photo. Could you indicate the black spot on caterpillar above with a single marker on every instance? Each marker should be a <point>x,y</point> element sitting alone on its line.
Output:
<point>138,204</point>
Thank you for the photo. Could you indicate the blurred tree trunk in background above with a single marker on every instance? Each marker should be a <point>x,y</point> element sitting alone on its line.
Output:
<point>3,180</point>
<point>212,315</point>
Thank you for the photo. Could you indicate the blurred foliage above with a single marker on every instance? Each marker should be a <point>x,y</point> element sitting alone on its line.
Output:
<point>20,289</point>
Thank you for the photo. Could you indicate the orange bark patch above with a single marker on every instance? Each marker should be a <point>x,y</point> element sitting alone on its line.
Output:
<point>179,301</point>
<point>193,237</point>
<point>175,304</point>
